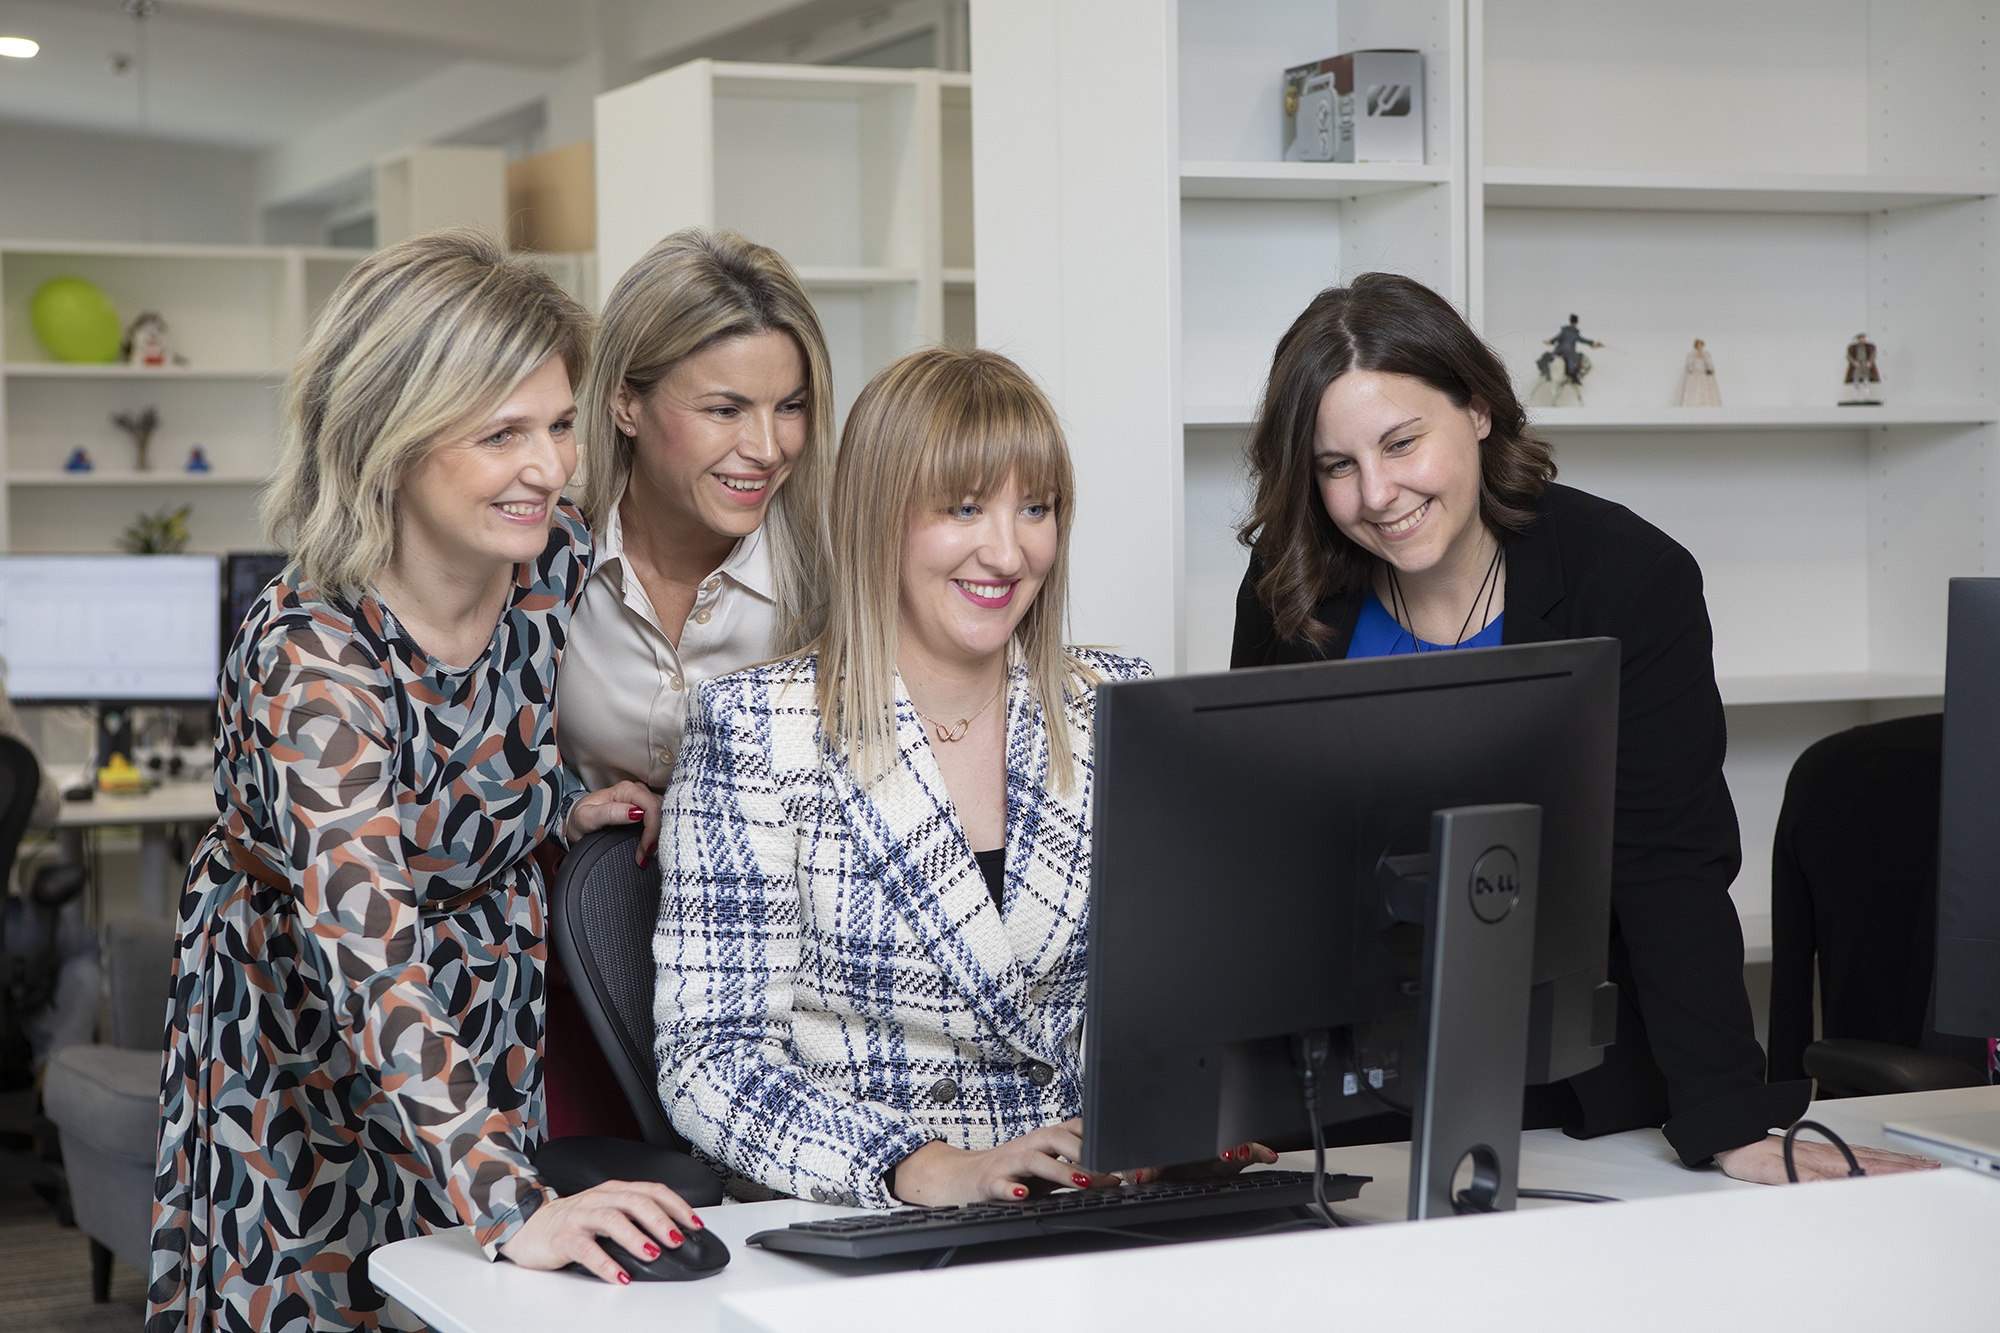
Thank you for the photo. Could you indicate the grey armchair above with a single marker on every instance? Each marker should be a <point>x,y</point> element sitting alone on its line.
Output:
<point>105,1099</point>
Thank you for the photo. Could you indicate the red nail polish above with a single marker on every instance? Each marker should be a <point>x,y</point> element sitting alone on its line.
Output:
<point>652,1250</point>
<point>1079,1180</point>
<point>1228,1156</point>
<point>1020,1193</point>
<point>635,814</point>
<point>624,1278</point>
<point>694,1220</point>
<point>674,1237</point>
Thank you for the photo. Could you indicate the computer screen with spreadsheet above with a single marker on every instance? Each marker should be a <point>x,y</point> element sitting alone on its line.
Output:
<point>85,628</point>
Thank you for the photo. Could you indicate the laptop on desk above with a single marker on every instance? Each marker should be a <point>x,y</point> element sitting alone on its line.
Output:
<point>1971,1141</point>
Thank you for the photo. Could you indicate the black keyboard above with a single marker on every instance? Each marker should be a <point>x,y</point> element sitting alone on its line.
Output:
<point>871,1235</point>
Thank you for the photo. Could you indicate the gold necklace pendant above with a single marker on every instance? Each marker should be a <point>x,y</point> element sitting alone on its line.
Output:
<point>953,734</point>
<point>949,735</point>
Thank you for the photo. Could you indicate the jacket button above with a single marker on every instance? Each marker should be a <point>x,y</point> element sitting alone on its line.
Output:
<point>1040,1074</point>
<point>943,1090</point>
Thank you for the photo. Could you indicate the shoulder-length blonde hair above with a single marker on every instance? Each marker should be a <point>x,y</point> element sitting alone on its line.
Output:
<point>693,290</point>
<point>428,335</point>
<point>930,431</point>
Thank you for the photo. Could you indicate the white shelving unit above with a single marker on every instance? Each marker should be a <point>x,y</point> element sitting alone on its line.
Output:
<point>1772,176</point>
<point>235,312</point>
<point>862,178</point>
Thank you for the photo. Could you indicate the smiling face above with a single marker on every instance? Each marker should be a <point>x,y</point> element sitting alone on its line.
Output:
<point>718,435</point>
<point>1397,464</point>
<point>484,496</point>
<point>969,574</point>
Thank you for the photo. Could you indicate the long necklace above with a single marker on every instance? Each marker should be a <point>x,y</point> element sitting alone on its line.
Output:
<point>1489,587</point>
<point>954,733</point>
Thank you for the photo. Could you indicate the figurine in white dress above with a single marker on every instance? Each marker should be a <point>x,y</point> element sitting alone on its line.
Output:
<point>1698,381</point>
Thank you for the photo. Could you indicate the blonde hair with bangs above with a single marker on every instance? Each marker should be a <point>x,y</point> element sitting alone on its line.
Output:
<point>928,432</point>
<point>693,290</point>
<point>423,338</point>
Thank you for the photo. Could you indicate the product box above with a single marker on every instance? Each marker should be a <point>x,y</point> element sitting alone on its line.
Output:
<point>1365,106</point>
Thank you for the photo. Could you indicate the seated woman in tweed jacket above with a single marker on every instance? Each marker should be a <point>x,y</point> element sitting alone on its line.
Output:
<point>848,1009</point>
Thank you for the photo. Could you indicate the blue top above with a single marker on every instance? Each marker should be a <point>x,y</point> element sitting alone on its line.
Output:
<point>1376,634</point>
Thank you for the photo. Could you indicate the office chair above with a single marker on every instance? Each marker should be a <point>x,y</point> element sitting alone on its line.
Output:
<point>28,974</point>
<point>602,912</point>
<point>1854,874</point>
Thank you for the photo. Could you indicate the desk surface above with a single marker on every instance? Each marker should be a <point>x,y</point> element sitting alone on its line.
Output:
<point>168,803</point>
<point>1692,1243</point>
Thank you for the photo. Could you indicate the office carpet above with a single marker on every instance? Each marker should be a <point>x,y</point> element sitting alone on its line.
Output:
<point>45,1274</point>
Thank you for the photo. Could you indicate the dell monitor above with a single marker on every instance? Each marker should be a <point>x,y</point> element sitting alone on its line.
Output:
<point>245,575</point>
<point>1260,850</point>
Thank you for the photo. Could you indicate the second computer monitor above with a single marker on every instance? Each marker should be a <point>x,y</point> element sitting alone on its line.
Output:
<point>1248,831</point>
<point>109,628</point>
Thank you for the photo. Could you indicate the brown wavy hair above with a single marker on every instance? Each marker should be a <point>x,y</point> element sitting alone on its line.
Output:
<point>1396,325</point>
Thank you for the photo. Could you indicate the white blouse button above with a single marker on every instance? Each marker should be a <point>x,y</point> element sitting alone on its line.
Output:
<point>714,582</point>
<point>673,682</point>
<point>701,616</point>
<point>666,756</point>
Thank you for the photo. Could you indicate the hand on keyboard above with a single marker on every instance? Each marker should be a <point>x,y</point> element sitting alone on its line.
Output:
<point>938,1175</point>
<point>1228,1164</point>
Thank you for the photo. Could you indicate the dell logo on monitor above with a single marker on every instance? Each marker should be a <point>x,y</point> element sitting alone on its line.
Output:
<point>1496,884</point>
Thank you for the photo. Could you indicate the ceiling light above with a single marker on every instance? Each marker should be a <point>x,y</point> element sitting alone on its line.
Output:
<point>18,47</point>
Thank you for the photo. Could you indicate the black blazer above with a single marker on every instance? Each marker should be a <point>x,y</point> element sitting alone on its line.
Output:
<point>1687,1057</point>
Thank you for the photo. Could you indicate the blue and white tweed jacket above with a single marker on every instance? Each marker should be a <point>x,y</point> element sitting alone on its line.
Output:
<point>836,987</point>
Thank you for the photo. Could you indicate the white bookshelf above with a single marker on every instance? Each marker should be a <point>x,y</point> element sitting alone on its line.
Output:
<point>1772,176</point>
<point>860,177</point>
<point>235,312</point>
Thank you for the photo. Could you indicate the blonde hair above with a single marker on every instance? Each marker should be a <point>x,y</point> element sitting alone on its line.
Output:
<point>929,431</point>
<point>693,290</point>
<point>420,338</point>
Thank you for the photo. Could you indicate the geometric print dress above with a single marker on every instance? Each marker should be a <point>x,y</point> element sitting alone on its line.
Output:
<point>355,1030</point>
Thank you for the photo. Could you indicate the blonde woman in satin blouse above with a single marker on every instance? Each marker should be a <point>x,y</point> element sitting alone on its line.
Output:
<point>705,427</point>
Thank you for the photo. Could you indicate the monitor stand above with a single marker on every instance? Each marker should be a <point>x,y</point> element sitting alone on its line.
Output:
<point>1478,967</point>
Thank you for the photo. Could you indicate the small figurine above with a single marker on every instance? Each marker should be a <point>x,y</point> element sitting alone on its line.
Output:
<point>1858,388</point>
<point>1575,364</point>
<point>197,460</point>
<point>146,344</point>
<point>140,426</point>
<point>1698,388</point>
<point>79,460</point>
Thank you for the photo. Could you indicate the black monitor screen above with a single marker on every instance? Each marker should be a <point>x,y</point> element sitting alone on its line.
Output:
<point>1242,827</point>
<point>82,628</point>
<point>245,576</point>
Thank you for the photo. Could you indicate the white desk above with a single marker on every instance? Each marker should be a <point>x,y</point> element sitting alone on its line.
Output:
<point>154,812</point>
<point>1694,1249</point>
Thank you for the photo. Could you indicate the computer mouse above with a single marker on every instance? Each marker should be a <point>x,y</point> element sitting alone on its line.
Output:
<point>702,1254</point>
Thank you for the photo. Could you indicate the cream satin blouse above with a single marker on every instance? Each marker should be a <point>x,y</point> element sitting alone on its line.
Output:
<point>622,690</point>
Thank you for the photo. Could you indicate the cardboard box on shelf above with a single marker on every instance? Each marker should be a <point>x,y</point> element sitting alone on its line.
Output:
<point>1365,106</point>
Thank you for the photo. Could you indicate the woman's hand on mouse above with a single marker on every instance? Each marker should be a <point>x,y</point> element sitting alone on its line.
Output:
<point>619,806</point>
<point>1763,1162</point>
<point>631,1212</point>
<point>1228,1164</point>
<point>938,1175</point>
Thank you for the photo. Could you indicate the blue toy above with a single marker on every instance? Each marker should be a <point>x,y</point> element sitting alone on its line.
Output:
<point>79,461</point>
<point>197,461</point>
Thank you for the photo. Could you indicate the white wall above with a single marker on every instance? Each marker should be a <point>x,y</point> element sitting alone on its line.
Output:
<point>73,185</point>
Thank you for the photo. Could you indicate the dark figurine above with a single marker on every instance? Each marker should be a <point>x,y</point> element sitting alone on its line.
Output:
<point>1567,344</point>
<point>1858,388</point>
<point>78,461</point>
<point>197,460</point>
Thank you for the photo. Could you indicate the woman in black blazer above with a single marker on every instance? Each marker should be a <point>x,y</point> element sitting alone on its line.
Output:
<point>1402,505</point>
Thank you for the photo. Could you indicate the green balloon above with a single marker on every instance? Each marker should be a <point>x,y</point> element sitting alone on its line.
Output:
<point>75,321</point>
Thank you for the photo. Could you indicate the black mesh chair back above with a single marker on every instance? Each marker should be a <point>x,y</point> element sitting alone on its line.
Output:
<point>602,913</point>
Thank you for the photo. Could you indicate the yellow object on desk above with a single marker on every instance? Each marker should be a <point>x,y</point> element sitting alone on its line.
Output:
<point>119,776</point>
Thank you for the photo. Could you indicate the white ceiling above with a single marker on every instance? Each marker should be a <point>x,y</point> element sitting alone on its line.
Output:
<point>213,79</point>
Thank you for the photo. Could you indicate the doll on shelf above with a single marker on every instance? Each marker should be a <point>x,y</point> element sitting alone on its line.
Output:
<point>1859,389</point>
<point>146,343</point>
<point>1567,345</point>
<point>1698,388</point>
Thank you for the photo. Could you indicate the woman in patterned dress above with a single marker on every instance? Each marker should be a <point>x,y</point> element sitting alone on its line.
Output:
<point>354,1038</point>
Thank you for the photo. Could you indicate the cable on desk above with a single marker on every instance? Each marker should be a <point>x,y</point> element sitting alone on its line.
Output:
<point>1309,1050</point>
<point>1792,1171</point>
<point>1566,1196</point>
